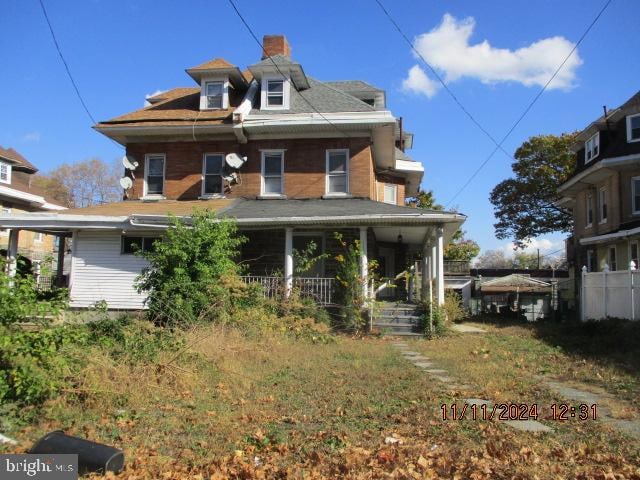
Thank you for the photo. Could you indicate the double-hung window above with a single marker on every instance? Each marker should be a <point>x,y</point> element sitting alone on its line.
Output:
<point>212,183</point>
<point>635,195</point>
<point>390,193</point>
<point>592,148</point>
<point>602,194</point>
<point>214,91</point>
<point>5,172</point>
<point>275,93</point>
<point>272,172</point>
<point>337,172</point>
<point>589,209</point>
<point>154,174</point>
<point>633,128</point>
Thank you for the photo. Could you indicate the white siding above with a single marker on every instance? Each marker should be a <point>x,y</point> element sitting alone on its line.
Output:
<point>101,272</point>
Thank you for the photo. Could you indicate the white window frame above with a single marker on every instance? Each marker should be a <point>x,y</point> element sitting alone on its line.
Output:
<point>204,175</point>
<point>595,140</point>
<point>395,193</point>
<point>263,153</point>
<point>634,193</point>
<point>225,92</point>
<point>327,154</point>
<point>603,196</point>
<point>145,193</point>
<point>588,207</point>
<point>286,92</point>
<point>4,232</point>
<point>38,237</point>
<point>8,169</point>
<point>613,265</point>
<point>629,139</point>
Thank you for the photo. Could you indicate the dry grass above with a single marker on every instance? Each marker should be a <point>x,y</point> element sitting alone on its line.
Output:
<point>236,407</point>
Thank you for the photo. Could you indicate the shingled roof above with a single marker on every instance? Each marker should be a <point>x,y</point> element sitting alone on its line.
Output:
<point>19,162</point>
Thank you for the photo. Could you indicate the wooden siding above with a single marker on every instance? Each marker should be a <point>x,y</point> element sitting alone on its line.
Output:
<point>100,272</point>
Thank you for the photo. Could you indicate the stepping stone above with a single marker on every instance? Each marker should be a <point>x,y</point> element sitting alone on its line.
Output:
<point>436,371</point>
<point>528,426</point>
<point>8,440</point>
<point>423,364</point>
<point>460,387</point>
<point>630,427</point>
<point>411,354</point>
<point>443,379</point>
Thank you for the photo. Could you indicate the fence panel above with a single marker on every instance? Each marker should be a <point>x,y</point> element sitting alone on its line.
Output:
<point>611,294</point>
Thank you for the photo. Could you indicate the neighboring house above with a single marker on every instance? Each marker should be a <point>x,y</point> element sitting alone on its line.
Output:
<point>604,192</point>
<point>604,196</point>
<point>19,195</point>
<point>291,158</point>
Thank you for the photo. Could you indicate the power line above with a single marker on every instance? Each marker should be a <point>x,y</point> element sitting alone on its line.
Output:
<point>251,32</point>
<point>64,62</point>
<point>464,109</point>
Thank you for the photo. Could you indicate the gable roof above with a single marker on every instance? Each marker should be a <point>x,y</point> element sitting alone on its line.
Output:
<point>515,282</point>
<point>18,161</point>
<point>212,64</point>
<point>325,98</point>
<point>282,64</point>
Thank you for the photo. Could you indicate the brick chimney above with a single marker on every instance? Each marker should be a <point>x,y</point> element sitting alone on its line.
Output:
<point>275,45</point>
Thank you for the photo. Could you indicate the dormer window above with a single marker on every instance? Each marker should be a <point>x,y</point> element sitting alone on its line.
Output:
<point>275,93</point>
<point>5,172</point>
<point>214,94</point>
<point>592,148</point>
<point>633,128</point>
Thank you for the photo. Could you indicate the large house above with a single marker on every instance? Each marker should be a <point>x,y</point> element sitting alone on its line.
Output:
<point>18,194</point>
<point>604,192</point>
<point>291,158</point>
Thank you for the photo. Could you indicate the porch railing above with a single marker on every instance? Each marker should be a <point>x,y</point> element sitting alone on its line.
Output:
<point>457,267</point>
<point>317,288</point>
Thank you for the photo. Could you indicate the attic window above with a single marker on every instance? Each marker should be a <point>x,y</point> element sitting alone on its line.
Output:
<point>214,92</point>
<point>633,128</point>
<point>275,93</point>
<point>592,148</point>
<point>5,172</point>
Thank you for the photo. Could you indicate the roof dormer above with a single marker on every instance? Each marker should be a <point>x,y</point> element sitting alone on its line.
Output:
<point>215,78</point>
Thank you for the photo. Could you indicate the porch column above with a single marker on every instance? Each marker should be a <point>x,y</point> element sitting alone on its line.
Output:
<point>288,261</point>
<point>426,272</point>
<point>62,245</point>
<point>12,252</point>
<point>440,265</point>
<point>364,264</point>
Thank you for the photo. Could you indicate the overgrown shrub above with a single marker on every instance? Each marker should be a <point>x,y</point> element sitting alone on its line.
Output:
<point>348,292</point>
<point>185,269</point>
<point>20,300</point>
<point>454,310</point>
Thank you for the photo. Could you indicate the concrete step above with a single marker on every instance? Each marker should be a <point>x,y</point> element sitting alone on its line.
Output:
<point>394,328</point>
<point>391,319</point>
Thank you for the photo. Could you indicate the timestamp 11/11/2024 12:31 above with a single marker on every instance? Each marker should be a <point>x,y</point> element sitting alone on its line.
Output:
<point>517,411</point>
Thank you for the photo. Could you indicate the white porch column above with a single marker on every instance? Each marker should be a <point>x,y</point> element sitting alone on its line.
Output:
<point>426,272</point>
<point>364,264</point>
<point>440,265</point>
<point>288,261</point>
<point>12,252</point>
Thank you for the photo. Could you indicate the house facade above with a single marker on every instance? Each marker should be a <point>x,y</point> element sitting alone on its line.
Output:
<point>604,192</point>
<point>292,159</point>
<point>18,195</point>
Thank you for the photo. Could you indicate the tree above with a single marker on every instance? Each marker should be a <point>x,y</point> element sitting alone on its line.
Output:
<point>82,184</point>
<point>525,205</point>
<point>424,199</point>
<point>494,259</point>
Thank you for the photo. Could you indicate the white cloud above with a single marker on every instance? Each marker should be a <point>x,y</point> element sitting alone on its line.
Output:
<point>149,95</point>
<point>31,137</point>
<point>544,244</point>
<point>448,50</point>
<point>418,82</point>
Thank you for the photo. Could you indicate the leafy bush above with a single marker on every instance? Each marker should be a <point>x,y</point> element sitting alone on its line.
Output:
<point>185,269</point>
<point>454,310</point>
<point>21,302</point>
<point>349,285</point>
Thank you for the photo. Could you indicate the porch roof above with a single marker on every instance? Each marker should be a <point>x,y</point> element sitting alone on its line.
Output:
<point>249,213</point>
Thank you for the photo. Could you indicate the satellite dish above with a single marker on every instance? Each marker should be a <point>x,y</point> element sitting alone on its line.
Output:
<point>129,162</point>
<point>126,183</point>
<point>235,161</point>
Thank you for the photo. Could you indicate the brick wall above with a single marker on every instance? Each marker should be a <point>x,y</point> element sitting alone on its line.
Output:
<point>304,166</point>
<point>381,180</point>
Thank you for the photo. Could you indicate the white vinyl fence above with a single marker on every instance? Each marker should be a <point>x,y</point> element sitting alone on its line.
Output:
<point>610,294</point>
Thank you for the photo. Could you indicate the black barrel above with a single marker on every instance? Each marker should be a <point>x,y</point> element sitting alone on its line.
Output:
<point>92,456</point>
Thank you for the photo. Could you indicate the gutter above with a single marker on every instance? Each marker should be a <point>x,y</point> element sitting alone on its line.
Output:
<point>607,162</point>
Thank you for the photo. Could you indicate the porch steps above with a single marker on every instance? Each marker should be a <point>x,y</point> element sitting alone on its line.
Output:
<point>398,319</point>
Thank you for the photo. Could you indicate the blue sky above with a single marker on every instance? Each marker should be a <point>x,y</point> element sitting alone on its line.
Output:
<point>121,51</point>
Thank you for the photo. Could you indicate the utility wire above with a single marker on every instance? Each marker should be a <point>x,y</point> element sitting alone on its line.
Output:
<point>466,111</point>
<point>66,66</point>
<point>251,32</point>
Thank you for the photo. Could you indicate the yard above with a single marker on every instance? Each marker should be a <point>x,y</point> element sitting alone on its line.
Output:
<point>231,405</point>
